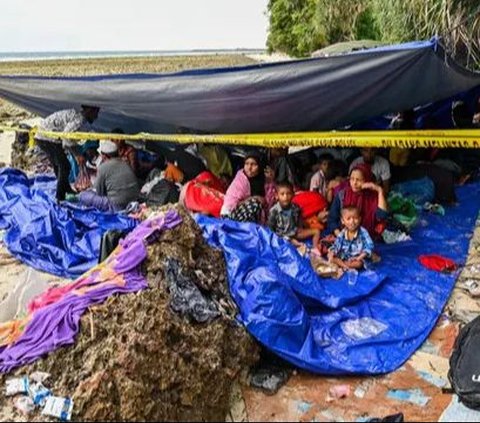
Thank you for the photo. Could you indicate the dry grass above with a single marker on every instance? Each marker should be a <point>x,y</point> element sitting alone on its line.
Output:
<point>105,66</point>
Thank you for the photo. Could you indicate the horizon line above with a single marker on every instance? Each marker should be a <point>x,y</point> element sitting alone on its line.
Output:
<point>133,51</point>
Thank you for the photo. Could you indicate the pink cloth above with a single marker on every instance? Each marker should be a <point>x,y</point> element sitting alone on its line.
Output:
<point>239,190</point>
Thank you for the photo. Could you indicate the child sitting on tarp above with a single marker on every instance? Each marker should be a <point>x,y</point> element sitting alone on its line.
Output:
<point>353,246</point>
<point>285,218</point>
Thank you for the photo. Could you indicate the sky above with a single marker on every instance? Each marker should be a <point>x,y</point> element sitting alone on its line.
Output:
<point>96,25</point>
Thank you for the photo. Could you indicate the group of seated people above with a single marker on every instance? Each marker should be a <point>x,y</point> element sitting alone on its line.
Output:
<point>314,194</point>
<point>335,197</point>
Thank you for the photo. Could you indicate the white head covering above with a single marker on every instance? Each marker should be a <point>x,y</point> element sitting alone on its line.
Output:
<point>107,147</point>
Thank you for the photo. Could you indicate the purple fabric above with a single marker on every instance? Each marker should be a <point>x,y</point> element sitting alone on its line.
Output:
<point>90,198</point>
<point>57,324</point>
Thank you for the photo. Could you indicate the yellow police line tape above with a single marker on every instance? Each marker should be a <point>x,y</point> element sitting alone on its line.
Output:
<point>455,138</point>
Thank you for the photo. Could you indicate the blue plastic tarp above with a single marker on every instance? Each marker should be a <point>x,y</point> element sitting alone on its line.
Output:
<point>327,326</point>
<point>62,240</point>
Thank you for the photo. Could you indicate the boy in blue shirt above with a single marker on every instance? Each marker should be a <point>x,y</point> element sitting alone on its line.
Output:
<point>353,245</point>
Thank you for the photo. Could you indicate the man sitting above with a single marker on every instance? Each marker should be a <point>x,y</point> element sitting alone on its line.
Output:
<point>116,184</point>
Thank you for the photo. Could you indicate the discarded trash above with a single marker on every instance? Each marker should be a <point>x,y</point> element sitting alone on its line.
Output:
<point>392,237</point>
<point>434,208</point>
<point>413,396</point>
<point>17,386</point>
<point>24,404</point>
<point>58,407</point>
<point>352,276</point>
<point>304,406</point>
<point>473,287</point>
<point>39,377</point>
<point>185,297</point>
<point>338,392</point>
<point>39,394</point>
<point>269,378</point>
<point>360,392</point>
<point>434,380</point>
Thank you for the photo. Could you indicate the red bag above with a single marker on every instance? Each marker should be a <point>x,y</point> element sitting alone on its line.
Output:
<point>438,263</point>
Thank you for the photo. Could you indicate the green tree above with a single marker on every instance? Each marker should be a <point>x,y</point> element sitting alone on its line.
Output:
<point>292,27</point>
<point>298,27</point>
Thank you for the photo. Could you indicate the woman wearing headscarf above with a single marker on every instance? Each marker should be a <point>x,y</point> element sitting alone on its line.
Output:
<point>251,192</point>
<point>364,194</point>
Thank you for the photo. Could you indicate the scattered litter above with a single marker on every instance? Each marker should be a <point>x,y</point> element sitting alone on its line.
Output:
<point>434,208</point>
<point>17,386</point>
<point>363,328</point>
<point>360,392</point>
<point>185,297</point>
<point>429,348</point>
<point>24,404</point>
<point>338,392</point>
<point>39,377</point>
<point>352,276</point>
<point>58,407</point>
<point>391,237</point>
<point>473,287</point>
<point>269,378</point>
<point>434,380</point>
<point>39,394</point>
<point>304,407</point>
<point>413,396</point>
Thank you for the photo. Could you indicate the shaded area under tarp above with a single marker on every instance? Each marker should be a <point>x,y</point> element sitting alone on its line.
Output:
<point>326,326</point>
<point>301,95</point>
<point>62,240</point>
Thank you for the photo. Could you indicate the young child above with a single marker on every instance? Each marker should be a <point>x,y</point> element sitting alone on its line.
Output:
<point>353,245</point>
<point>285,218</point>
<point>318,182</point>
